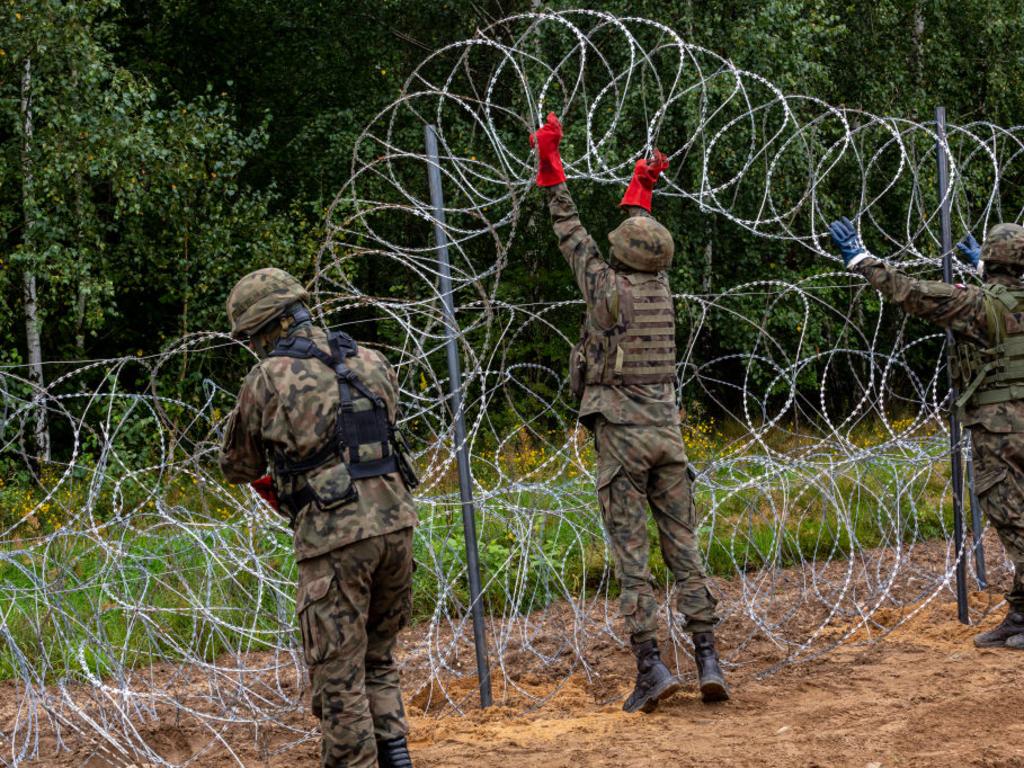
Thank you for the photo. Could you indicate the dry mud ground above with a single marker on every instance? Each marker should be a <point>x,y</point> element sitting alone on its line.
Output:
<point>922,696</point>
<point>919,695</point>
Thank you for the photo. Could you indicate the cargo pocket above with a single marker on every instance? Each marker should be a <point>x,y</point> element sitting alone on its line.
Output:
<point>407,618</point>
<point>985,481</point>
<point>710,596</point>
<point>405,609</point>
<point>314,608</point>
<point>332,487</point>
<point>628,602</point>
<point>578,369</point>
<point>606,474</point>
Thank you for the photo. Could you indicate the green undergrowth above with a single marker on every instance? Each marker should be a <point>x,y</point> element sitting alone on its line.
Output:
<point>126,594</point>
<point>563,551</point>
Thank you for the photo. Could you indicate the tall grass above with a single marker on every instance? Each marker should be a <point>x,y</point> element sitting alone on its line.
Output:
<point>130,591</point>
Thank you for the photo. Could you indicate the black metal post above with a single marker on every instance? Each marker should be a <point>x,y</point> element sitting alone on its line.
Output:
<point>976,530</point>
<point>461,448</point>
<point>955,444</point>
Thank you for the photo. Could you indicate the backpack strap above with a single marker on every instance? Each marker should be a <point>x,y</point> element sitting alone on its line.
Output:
<point>301,348</point>
<point>354,427</point>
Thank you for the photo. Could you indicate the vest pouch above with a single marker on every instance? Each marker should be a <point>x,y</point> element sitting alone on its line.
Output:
<point>960,365</point>
<point>578,369</point>
<point>406,470</point>
<point>403,457</point>
<point>332,487</point>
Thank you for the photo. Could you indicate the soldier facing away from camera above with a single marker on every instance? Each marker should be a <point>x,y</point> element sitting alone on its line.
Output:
<point>321,412</point>
<point>987,322</point>
<point>624,369</point>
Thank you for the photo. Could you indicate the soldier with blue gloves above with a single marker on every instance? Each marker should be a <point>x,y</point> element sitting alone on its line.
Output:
<point>987,322</point>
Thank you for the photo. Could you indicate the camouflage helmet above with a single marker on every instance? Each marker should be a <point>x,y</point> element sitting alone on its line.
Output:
<point>643,244</point>
<point>1004,244</point>
<point>259,297</point>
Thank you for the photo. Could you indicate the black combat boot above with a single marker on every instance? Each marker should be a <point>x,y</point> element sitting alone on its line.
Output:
<point>653,680</point>
<point>1012,625</point>
<point>394,753</point>
<point>709,674</point>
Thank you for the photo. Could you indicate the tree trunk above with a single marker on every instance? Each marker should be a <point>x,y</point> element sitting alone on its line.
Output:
<point>32,320</point>
<point>184,308</point>
<point>80,287</point>
<point>708,264</point>
<point>917,43</point>
<point>80,321</point>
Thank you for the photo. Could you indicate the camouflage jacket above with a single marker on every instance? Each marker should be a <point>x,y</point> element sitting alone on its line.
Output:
<point>601,284</point>
<point>290,406</point>
<point>961,308</point>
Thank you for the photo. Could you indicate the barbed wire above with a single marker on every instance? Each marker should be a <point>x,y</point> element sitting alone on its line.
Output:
<point>139,588</point>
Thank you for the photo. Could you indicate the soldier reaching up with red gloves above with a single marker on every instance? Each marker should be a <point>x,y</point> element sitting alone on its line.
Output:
<point>624,371</point>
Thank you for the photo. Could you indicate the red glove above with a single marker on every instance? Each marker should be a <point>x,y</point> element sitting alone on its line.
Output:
<point>546,140</point>
<point>265,488</point>
<point>645,175</point>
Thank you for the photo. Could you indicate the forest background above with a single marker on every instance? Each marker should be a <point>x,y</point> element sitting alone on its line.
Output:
<point>154,151</point>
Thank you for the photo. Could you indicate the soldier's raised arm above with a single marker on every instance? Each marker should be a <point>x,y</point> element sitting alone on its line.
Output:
<point>593,276</point>
<point>957,307</point>
<point>576,244</point>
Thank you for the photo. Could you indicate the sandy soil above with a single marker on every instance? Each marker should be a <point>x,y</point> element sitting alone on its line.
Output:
<point>920,695</point>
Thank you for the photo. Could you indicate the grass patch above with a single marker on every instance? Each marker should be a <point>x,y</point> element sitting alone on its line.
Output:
<point>110,591</point>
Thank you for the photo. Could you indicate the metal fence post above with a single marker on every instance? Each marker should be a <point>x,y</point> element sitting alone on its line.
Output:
<point>955,443</point>
<point>461,448</point>
<point>976,529</point>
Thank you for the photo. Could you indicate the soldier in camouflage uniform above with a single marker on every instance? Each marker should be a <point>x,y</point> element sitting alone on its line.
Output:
<point>321,411</point>
<point>988,325</point>
<point>624,370</point>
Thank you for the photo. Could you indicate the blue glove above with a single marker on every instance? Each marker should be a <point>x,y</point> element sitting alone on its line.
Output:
<point>846,239</point>
<point>969,247</point>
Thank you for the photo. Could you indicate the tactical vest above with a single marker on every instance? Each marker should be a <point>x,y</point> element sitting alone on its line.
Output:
<point>639,349</point>
<point>362,427</point>
<point>996,374</point>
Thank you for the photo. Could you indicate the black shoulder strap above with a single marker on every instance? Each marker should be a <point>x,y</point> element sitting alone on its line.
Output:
<point>342,344</point>
<point>302,348</point>
<point>352,428</point>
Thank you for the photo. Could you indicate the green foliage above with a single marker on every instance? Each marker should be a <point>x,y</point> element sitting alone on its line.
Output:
<point>128,203</point>
<point>564,551</point>
<point>178,144</point>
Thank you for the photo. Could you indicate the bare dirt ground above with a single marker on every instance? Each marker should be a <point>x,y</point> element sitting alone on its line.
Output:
<point>920,695</point>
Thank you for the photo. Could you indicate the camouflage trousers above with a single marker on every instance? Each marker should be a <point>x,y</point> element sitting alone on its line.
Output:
<point>352,602</point>
<point>999,483</point>
<point>637,466</point>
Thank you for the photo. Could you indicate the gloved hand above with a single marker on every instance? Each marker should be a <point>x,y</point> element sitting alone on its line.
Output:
<point>969,247</point>
<point>265,488</point>
<point>645,176</point>
<point>846,239</point>
<point>546,141</point>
